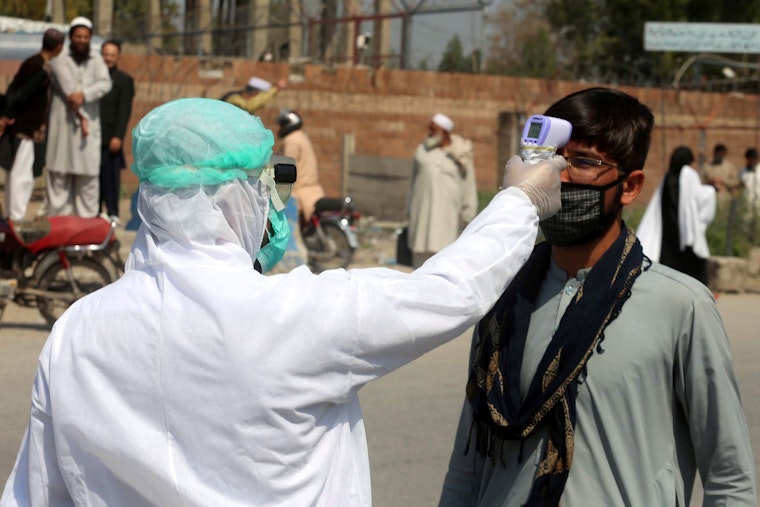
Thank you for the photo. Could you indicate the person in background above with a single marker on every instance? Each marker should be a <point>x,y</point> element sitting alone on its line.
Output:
<point>115,110</point>
<point>257,93</point>
<point>193,380</point>
<point>750,176</point>
<point>443,193</point>
<point>673,229</point>
<point>722,174</point>
<point>79,80</point>
<point>297,145</point>
<point>24,120</point>
<point>600,378</point>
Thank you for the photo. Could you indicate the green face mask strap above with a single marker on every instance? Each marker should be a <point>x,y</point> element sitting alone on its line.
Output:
<point>271,253</point>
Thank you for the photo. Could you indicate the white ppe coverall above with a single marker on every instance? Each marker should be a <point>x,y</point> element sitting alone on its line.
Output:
<point>195,381</point>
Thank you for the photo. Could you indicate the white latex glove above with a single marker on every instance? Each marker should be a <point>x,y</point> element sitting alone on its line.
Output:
<point>540,182</point>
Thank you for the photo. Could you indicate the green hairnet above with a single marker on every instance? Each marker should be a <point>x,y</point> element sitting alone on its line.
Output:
<point>196,141</point>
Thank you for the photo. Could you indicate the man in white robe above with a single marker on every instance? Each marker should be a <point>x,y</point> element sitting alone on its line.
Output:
<point>443,194</point>
<point>79,79</point>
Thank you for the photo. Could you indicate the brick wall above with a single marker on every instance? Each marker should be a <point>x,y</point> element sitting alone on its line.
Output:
<point>387,110</point>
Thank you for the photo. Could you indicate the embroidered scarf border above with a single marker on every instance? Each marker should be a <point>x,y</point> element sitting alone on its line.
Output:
<point>493,385</point>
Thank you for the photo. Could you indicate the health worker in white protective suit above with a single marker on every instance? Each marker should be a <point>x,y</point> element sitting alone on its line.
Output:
<point>194,380</point>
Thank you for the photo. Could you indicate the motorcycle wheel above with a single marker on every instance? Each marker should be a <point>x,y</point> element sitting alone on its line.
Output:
<point>337,253</point>
<point>89,276</point>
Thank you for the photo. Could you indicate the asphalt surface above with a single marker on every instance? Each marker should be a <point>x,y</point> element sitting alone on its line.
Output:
<point>410,415</point>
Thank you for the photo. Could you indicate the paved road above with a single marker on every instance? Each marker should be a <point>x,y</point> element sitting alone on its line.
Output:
<point>411,414</point>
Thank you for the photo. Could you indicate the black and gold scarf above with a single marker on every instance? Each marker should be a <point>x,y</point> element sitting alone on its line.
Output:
<point>493,389</point>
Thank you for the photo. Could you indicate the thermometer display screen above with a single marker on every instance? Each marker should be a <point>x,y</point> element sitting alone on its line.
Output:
<point>534,130</point>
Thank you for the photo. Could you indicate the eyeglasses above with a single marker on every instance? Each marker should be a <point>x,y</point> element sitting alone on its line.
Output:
<point>585,168</point>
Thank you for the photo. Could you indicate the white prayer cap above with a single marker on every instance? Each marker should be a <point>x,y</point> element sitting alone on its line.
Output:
<point>443,121</point>
<point>257,83</point>
<point>81,21</point>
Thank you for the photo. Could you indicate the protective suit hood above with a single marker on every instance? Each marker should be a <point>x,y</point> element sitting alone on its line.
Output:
<point>199,162</point>
<point>225,221</point>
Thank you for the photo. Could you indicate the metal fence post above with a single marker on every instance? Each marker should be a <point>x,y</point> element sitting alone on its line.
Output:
<point>347,149</point>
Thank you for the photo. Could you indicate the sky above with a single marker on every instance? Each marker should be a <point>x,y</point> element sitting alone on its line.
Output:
<point>431,33</point>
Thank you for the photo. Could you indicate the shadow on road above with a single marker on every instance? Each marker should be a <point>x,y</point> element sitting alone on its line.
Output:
<point>5,325</point>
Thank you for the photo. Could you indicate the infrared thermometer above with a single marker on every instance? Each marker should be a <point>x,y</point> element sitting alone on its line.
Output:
<point>542,136</point>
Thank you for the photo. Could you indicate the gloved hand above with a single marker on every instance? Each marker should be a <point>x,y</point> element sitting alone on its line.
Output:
<point>540,182</point>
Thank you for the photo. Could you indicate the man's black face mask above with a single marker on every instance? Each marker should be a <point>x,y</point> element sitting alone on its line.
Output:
<point>582,217</point>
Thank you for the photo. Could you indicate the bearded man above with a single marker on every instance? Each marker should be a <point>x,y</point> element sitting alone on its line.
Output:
<point>79,79</point>
<point>443,195</point>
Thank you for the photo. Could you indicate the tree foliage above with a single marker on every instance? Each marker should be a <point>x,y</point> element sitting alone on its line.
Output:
<point>76,8</point>
<point>521,43</point>
<point>453,58</point>
<point>129,15</point>
<point>35,9</point>
<point>598,40</point>
<point>29,9</point>
<point>132,19</point>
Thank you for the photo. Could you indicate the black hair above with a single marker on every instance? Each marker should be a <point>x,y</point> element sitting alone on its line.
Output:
<point>52,38</point>
<point>114,42</point>
<point>611,121</point>
<point>720,148</point>
<point>680,157</point>
<point>750,153</point>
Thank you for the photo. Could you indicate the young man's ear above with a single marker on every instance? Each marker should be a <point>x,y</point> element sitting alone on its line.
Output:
<point>632,187</point>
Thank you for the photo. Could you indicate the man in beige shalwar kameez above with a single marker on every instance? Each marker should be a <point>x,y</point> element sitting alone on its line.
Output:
<point>443,195</point>
<point>296,144</point>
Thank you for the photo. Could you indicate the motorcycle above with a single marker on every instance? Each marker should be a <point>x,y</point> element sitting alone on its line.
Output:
<point>330,233</point>
<point>53,262</point>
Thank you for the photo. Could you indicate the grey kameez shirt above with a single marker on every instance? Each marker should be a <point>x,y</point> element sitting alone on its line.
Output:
<point>659,404</point>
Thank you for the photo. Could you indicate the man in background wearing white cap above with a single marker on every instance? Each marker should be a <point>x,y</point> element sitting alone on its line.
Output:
<point>79,79</point>
<point>255,95</point>
<point>443,195</point>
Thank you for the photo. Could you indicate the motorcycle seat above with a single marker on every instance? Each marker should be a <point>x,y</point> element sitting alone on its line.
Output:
<point>329,204</point>
<point>29,232</point>
<point>63,230</point>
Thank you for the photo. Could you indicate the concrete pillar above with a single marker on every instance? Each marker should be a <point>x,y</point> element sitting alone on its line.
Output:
<point>383,33</point>
<point>350,29</point>
<point>348,148</point>
<point>204,23</point>
<point>153,25</point>
<point>103,10</point>
<point>295,32</point>
<point>56,12</point>
<point>259,16</point>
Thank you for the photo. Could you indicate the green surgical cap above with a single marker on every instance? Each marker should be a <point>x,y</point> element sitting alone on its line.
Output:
<point>196,141</point>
